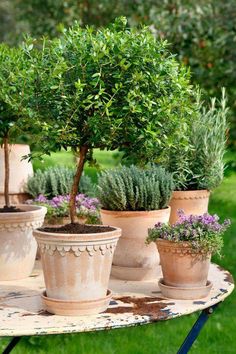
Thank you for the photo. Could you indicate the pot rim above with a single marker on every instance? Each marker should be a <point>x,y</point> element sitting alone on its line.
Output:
<point>136,212</point>
<point>189,194</point>
<point>184,245</point>
<point>30,212</point>
<point>92,237</point>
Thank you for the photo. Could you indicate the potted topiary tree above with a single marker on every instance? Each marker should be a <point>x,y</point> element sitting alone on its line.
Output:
<point>111,88</point>
<point>135,200</point>
<point>21,170</point>
<point>17,246</point>
<point>185,250</point>
<point>200,169</point>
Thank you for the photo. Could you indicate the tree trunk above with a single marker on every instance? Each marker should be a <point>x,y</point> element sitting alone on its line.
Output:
<point>7,171</point>
<point>75,186</point>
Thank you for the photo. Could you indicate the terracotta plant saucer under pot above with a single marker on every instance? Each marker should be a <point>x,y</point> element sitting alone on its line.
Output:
<point>184,293</point>
<point>75,308</point>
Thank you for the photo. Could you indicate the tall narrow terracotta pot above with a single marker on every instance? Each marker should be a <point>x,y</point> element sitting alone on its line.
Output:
<point>192,202</point>
<point>17,244</point>
<point>20,171</point>
<point>181,265</point>
<point>76,270</point>
<point>133,258</point>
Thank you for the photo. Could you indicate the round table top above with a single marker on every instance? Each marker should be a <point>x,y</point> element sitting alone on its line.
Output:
<point>133,303</point>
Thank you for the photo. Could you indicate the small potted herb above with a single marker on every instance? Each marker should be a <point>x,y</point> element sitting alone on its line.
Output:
<point>134,199</point>
<point>185,250</point>
<point>200,169</point>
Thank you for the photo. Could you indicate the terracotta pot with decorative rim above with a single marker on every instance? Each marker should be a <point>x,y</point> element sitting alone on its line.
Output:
<point>133,258</point>
<point>192,202</point>
<point>17,244</point>
<point>181,265</point>
<point>20,171</point>
<point>76,270</point>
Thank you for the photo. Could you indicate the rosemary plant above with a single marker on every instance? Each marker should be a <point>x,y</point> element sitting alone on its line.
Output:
<point>202,165</point>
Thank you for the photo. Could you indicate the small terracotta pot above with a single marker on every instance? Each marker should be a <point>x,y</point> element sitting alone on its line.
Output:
<point>77,267</point>
<point>17,245</point>
<point>181,265</point>
<point>192,202</point>
<point>133,258</point>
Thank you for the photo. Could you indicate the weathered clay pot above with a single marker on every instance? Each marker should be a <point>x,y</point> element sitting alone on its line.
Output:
<point>76,269</point>
<point>20,171</point>
<point>133,258</point>
<point>181,265</point>
<point>17,245</point>
<point>192,202</point>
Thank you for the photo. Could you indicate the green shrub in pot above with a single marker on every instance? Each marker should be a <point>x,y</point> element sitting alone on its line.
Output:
<point>17,247</point>
<point>201,168</point>
<point>111,88</point>
<point>134,199</point>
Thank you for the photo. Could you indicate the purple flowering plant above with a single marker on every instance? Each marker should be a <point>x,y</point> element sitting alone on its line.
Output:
<point>203,232</point>
<point>58,207</point>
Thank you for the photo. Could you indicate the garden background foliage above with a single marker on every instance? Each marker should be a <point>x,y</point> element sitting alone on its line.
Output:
<point>203,33</point>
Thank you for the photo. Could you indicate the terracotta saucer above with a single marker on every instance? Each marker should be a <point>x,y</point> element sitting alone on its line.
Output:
<point>75,308</point>
<point>184,293</point>
<point>134,274</point>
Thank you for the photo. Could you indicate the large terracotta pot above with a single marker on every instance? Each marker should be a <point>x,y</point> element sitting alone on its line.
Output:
<point>17,244</point>
<point>76,270</point>
<point>133,258</point>
<point>192,202</point>
<point>20,171</point>
<point>181,265</point>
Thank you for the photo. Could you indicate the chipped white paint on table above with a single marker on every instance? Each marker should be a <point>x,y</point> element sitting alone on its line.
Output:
<point>133,303</point>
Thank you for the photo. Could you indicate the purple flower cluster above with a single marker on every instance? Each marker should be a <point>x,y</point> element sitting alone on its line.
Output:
<point>59,206</point>
<point>206,221</point>
<point>203,232</point>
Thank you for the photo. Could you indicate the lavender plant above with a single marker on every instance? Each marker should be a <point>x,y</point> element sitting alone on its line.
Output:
<point>55,181</point>
<point>58,207</point>
<point>133,188</point>
<point>203,232</point>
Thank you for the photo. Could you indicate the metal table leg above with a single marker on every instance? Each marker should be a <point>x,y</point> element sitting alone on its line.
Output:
<point>11,345</point>
<point>194,332</point>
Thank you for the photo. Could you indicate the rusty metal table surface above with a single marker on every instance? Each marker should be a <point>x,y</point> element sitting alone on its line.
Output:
<point>133,303</point>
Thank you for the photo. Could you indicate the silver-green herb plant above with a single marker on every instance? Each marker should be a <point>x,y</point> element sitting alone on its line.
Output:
<point>202,165</point>
<point>56,181</point>
<point>133,188</point>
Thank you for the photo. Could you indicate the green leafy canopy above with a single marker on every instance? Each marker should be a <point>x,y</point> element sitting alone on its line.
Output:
<point>110,88</point>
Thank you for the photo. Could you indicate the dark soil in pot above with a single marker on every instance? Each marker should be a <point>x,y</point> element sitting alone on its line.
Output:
<point>11,209</point>
<point>77,228</point>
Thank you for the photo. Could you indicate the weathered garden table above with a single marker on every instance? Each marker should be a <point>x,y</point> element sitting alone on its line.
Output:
<point>134,303</point>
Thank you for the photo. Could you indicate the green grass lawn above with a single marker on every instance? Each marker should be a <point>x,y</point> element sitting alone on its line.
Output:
<point>105,159</point>
<point>218,336</point>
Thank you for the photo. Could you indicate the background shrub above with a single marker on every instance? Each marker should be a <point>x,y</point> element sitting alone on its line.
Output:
<point>132,188</point>
<point>56,181</point>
